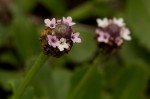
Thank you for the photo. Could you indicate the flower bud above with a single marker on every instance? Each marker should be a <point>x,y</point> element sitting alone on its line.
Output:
<point>111,34</point>
<point>58,38</point>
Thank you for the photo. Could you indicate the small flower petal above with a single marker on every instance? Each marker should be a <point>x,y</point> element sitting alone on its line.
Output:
<point>47,22</point>
<point>62,44</point>
<point>53,20</point>
<point>102,22</point>
<point>69,18</point>
<point>58,21</point>
<point>103,37</point>
<point>52,41</point>
<point>68,21</point>
<point>50,23</point>
<point>119,22</point>
<point>75,37</point>
<point>125,34</point>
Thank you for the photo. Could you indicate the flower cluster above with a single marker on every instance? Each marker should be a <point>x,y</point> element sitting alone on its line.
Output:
<point>111,33</point>
<point>59,37</point>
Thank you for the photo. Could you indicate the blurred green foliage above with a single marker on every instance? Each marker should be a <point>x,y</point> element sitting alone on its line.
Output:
<point>124,76</point>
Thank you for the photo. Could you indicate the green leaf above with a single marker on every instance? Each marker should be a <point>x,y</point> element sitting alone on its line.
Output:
<point>132,82</point>
<point>47,84</point>
<point>99,8</point>
<point>25,37</point>
<point>91,89</point>
<point>138,18</point>
<point>6,77</point>
<point>29,92</point>
<point>57,7</point>
<point>26,5</point>
<point>130,53</point>
<point>81,12</point>
<point>102,8</point>
<point>8,57</point>
<point>51,84</point>
<point>83,51</point>
<point>61,81</point>
<point>4,34</point>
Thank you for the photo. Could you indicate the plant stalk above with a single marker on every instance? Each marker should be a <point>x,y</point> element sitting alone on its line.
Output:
<point>30,75</point>
<point>85,78</point>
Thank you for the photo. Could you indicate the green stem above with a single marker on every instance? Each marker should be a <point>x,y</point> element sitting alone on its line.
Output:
<point>84,80</point>
<point>30,75</point>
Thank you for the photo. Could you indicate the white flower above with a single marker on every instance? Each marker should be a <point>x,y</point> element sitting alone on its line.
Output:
<point>125,34</point>
<point>50,23</point>
<point>103,37</point>
<point>102,22</point>
<point>119,22</point>
<point>58,21</point>
<point>75,37</point>
<point>62,44</point>
<point>68,21</point>
<point>52,41</point>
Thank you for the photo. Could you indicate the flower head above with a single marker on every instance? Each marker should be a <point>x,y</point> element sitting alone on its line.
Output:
<point>111,33</point>
<point>58,38</point>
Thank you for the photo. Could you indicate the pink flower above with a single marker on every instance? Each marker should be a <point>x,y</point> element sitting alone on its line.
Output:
<point>50,23</point>
<point>68,21</point>
<point>52,41</point>
<point>103,37</point>
<point>119,41</point>
<point>75,37</point>
<point>62,44</point>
